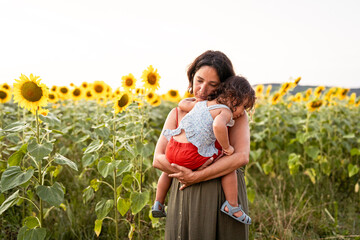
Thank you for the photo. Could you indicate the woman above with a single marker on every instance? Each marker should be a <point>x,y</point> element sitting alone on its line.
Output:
<point>196,196</point>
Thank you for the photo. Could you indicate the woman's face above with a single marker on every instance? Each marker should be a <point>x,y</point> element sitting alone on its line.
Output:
<point>206,80</point>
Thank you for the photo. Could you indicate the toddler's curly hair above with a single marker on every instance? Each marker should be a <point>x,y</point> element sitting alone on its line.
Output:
<point>238,90</point>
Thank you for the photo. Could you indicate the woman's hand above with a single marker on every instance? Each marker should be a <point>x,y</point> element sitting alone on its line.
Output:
<point>185,175</point>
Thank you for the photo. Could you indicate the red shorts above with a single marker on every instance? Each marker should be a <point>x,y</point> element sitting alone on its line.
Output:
<point>186,154</point>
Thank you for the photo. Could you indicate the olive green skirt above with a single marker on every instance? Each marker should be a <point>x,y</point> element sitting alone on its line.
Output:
<point>194,213</point>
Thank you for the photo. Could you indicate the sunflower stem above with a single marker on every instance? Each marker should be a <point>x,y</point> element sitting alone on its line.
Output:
<point>115,195</point>
<point>39,166</point>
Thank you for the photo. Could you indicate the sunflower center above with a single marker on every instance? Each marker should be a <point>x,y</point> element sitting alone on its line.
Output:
<point>151,79</point>
<point>51,96</point>
<point>129,82</point>
<point>88,94</point>
<point>150,95</point>
<point>63,90</point>
<point>98,88</point>
<point>173,93</point>
<point>31,92</point>
<point>53,88</point>
<point>6,86</point>
<point>84,85</point>
<point>123,100</point>
<point>3,95</point>
<point>76,92</point>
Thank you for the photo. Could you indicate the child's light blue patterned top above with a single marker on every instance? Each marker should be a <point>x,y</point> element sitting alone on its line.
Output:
<point>198,127</point>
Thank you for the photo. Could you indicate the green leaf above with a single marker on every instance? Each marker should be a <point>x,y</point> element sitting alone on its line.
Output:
<point>98,225</point>
<point>256,154</point>
<point>50,119</point>
<point>127,181</point>
<point>31,222</point>
<point>311,173</point>
<point>16,157</point>
<point>16,127</point>
<point>123,205</point>
<point>267,167</point>
<point>95,184</point>
<point>89,159</point>
<point>31,234</point>
<point>54,194</point>
<point>60,159</point>
<point>312,151</point>
<point>131,231</point>
<point>294,163</point>
<point>351,135</point>
<point>355,151</point>
<point>251,194</point>
<point>302,137</point>
<point>105,167</point>
<point>123,166</point>
<point>88,193</point>
<point>94,146</point>
<point>13,177</point>
<point>103,132</point>
<point>9,202</point>
<point>138,201</point>
<point>353,170</point>
<point>82,139</point>
<point>103,207</point>
<point>39,151</point>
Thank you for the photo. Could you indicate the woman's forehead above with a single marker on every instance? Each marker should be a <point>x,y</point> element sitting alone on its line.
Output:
<point>207,73</point>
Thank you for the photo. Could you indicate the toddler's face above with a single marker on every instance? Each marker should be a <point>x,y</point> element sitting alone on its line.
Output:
<point>240,110</point>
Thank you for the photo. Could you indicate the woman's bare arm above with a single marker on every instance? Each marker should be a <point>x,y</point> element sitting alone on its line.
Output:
<point>160,160</point>
<point>239,136</point>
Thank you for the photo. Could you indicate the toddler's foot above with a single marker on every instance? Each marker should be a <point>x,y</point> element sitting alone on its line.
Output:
<point>158,210</point>
<point>235,212</point>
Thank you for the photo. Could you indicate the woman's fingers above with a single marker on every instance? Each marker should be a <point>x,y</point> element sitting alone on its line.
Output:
<point>206,164</point>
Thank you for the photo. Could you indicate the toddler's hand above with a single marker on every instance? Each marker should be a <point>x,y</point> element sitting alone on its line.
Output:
<point>229,150</point>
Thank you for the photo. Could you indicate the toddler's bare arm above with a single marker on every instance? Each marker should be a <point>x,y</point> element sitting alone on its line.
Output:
<point>221,131</point>
<point>187,104</point>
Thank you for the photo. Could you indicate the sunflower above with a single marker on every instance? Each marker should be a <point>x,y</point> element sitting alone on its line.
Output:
<point>330,94</point>
<point>5,86</point>
<point>150,96</point>
<point>138,102</point>
<point>89,94</point>
<point>285,88</point>
<point>259,90</point>
<point>318,90</point>
<point>5,95</point>
<point>30,93</point>
<point>268,90</point>
<point>297,80</point>
<point>53,88</point>
<point>156,101</point>
<point>151,78</point>
<point>297,97</point>
<point>139,91</point>
<point>53,97</point>
<point>342,92</point>
<point>99,88</point>
<point>63,92</point>
<point>352,99</point>
<point>314,105</point>
<point>41,111</point>
<point>122,102</point>
<point>128,82</point>
<point>172,95</point>
<point>276,98</point>
<point>187,94</point>
<point>84,85</point>
<point>77,93</point>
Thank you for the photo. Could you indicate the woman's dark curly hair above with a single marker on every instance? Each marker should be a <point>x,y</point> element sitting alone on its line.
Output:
<point>215,59</point>
<point>238,90</point>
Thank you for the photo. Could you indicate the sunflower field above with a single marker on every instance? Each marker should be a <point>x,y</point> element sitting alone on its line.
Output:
<point>76,161</point>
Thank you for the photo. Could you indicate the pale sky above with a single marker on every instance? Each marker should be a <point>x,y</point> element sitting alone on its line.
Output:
<point>267,41</point>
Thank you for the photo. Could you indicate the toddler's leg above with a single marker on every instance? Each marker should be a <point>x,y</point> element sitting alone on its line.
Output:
<point>230,187</point>
<point>163,186</point>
